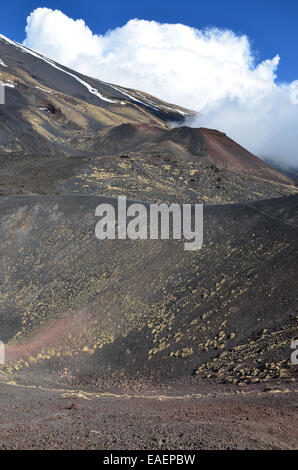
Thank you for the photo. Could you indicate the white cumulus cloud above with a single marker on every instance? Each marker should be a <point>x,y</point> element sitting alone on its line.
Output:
<point>212,71</point>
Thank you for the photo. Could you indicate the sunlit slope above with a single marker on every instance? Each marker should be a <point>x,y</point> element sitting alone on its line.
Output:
<point>50,108</point>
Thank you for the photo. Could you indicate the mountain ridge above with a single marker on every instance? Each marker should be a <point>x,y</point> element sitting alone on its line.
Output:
<point>51,109</point>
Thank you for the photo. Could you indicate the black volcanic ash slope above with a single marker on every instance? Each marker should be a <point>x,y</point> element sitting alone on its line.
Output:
<point>147,309</point>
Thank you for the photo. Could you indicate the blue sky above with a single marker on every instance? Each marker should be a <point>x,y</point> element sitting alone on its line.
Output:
<point>270,25</point>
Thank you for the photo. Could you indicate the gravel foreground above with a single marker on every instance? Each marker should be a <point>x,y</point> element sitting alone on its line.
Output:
<point>216,418</point>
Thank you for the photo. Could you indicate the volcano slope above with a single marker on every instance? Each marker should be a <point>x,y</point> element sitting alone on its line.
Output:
<point>138,344</point>
<point>144,321</point>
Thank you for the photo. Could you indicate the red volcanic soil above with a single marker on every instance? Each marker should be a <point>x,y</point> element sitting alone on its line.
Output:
<point>55,333</point>
<point>227,152</point>
<point>221,150</point>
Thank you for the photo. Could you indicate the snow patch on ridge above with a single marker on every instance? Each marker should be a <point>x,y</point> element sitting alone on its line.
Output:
<point>8,84</point>
<point>53,64</point>
<point>42,89</point>
<point>143,101</point>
